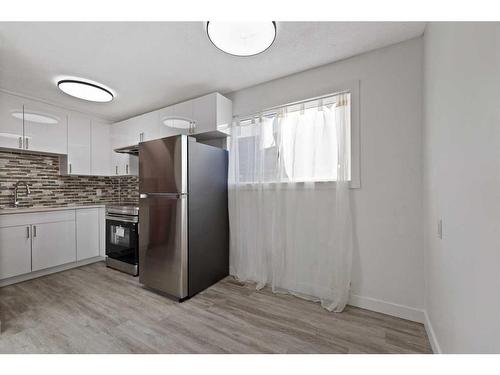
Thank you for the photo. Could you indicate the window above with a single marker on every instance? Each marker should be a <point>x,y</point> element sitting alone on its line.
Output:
<point>297,143</point>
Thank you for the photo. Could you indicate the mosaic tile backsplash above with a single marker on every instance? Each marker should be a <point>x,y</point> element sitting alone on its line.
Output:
<point>48,188</point>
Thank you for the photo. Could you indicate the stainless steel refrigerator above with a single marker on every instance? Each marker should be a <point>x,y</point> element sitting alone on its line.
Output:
<point>183,215</point>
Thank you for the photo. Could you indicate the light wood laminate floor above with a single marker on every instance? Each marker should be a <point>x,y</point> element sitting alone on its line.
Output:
<point>93,309</point>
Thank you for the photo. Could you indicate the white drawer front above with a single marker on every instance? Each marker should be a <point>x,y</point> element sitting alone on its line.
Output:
<point>10,220</point>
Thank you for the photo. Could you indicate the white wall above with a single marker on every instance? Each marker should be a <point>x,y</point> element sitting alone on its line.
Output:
<point>388,260</point>
<point>462,185</point>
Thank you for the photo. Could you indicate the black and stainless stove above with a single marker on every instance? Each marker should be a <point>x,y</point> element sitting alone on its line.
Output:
<point>122,238</point>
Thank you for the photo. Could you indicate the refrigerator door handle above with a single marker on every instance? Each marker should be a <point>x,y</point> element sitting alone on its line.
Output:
<point>162,195</point>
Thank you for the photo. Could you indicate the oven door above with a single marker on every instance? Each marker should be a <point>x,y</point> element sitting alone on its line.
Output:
<point>122,240</point>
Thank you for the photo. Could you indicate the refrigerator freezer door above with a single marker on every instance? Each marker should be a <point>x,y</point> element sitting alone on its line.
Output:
<point>163,165</point>
<point>163,243</point>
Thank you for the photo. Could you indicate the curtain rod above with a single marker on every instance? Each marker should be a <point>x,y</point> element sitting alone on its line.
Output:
<point>280,107</point>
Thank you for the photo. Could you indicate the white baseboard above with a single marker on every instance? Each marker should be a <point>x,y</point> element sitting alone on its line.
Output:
<point>389,308</point>
<point>48,271</point>
<point>431,335</point>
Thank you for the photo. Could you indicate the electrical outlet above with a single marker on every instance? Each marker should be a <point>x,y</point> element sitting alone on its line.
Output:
<point>440,229</point>
<point>98,192</point>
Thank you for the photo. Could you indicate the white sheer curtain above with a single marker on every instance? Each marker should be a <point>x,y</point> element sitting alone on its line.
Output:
<point>289,203</point>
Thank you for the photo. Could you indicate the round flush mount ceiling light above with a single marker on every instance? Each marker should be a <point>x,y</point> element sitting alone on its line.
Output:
<point>242,38</point>
<point>85,90</point>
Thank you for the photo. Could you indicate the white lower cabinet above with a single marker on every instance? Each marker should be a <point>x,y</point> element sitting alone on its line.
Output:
<point>87,233</point>
<point>15,251</point>
<point>38,241</point>
<point>53,244</point>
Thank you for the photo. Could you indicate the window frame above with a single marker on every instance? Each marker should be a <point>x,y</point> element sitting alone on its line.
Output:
<point>353,88</point>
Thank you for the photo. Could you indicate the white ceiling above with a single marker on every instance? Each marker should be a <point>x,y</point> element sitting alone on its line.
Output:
<point>151,65</point>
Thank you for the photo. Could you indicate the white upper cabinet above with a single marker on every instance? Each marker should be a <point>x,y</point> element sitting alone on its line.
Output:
<point>32,125</point>
<point>166,122</point>
<point>11,121</point>
<point>123,134</point>
<point>205,114</point>
<point>79,150</point>
<point>175,119</point>
<point>118,161</point>
<point>209,113</point>
<point>183,117</point>
<point>100,158</point>
<point>224,113</point>
<point>45,128</point>
<point>212,112</point>
<point>142,128</point>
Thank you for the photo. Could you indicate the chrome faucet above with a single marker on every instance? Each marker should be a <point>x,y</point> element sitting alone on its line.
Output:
<point>16,186</point>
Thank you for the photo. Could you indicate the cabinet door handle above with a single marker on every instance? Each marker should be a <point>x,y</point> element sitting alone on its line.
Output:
<point>20,142</point>
<point>116,169</point>
<point>34,230</point>
<point>141,137</point>
<point>27,232</point>
<point>192,127</point>
<point>126,169</point>
<point>69,167</point>
<point>26,142</point>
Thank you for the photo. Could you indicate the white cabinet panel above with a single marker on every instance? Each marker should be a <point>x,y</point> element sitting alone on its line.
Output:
<point>119,162</point>
<point>15,251</point>
<point>166,122</point>
<point>102,232</point>
<point>78,145</point>
<point>204,113</point>
<point>148,126</point>
<point>131,132</point>
<point>45,128</point>
<point>119,139</point>
<point>123,134</point>
<point>142,128</point>
<point>36,218</point>
<point>212,112</point>
<point>53,244</point>
<point>124,164</point>
<point>175,120</point>
<point>87,233</point>
<point>11,121</point>
<point>100,159</point>
<point>183,116</point>
<point>209,113</point>
<point>224,115</point>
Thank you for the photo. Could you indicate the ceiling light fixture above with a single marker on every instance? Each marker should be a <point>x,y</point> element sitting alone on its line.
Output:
<point>85,90</point>
<point>242,38</point>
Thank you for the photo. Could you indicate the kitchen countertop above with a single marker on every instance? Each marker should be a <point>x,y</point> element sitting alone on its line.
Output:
<point>24,210</point>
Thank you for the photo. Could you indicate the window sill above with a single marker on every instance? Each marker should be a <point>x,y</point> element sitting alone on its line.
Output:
<point>318,185</point>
